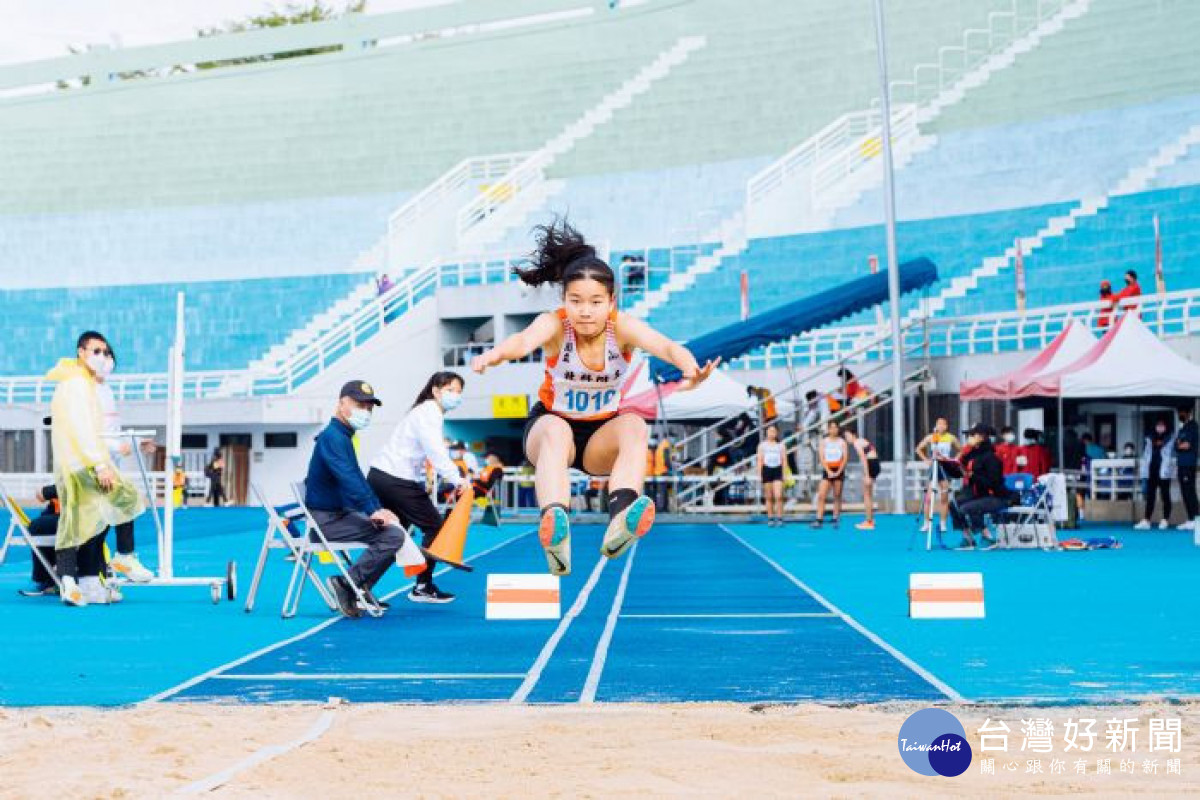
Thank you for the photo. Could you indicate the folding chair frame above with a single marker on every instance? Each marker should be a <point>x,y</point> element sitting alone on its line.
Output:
<point>16,523</point>
<point>279,537</point>
<point>1008,520</point>
<point>304,561</point>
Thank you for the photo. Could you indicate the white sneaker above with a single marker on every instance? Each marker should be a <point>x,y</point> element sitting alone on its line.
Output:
<point>1163,524</point>
<point>129,568</point>
<point>926,526</point>
<point>1190,525</point>
<point>113,591</point>
<point>71,594</point>
<point>1144,525</point>
<point>93,590</point>
<point>942,526</point>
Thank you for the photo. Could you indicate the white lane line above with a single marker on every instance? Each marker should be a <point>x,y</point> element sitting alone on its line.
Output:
<point>190,682</point>
<point>539,664</point>
<point>588,695</point>
<point>219,779</point>
<point>932,679</point>
<point>369,676</point>
<point>781,615</point>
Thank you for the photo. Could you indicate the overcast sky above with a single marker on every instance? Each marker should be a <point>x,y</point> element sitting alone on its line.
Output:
<point>36,29</point>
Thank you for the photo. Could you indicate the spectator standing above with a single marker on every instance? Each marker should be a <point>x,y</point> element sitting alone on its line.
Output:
<point>1107,304</point>
<point>1187,442</point>
<point>1156,469</point>
<point>1006,450</point>
<point>215,472</point>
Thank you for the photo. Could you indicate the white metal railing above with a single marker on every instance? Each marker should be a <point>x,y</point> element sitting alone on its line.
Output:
<point>493,199</point>
<point>955,61</point>
<point>863,146</point>
<point>408,230</point>
<point>1172,314</point>
<point>1169,315</point>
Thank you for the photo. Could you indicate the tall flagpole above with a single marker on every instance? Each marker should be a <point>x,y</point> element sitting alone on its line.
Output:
<point>889,210</point>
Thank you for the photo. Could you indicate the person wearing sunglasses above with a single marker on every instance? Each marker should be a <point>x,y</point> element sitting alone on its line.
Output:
<point>92,492</point>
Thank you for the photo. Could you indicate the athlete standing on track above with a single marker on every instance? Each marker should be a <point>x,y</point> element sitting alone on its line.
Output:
<point>577,421</point>
<point>941,445</point>
<point>771,454</point>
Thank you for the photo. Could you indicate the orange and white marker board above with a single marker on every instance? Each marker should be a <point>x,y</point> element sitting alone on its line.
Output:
<point>945,595</point>
<point>522,597</point>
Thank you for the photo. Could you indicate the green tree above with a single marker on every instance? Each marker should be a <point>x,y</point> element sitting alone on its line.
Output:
<point>289,14</point>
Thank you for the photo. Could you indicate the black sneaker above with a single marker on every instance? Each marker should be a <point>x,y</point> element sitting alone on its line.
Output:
<point>38,590</point>
<point>370,599</point>
<point>344,594</point>
<point>428,593</point>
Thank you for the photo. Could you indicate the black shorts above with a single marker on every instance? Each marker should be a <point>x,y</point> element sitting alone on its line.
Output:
<point>840,477</point>
<point>582,431</point>
<point>772,474</point>
<point>873,468</point>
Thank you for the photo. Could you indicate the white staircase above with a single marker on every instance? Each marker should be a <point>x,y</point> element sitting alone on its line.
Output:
<point>1136,179</point>
<point>426,225</point>
<point>516,195</point>
<point>515,185</point>
<point>732,237</point>
<point>808,185</point>
<point>326,320</point>
<point>804,189</point>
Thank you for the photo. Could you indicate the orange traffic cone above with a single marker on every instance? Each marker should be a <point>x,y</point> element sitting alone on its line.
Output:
<point>452,538</point>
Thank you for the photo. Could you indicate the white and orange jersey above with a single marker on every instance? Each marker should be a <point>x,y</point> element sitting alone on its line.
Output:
<point>834,454</point>
<point>574,390</point>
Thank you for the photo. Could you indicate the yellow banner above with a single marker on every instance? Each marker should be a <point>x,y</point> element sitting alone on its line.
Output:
<point>510,406</point>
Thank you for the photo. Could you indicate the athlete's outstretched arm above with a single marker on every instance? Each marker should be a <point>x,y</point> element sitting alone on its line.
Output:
<point>638,334</point>
<point>543,329</point>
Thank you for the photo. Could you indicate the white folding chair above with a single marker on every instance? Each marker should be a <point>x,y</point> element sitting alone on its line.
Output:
<point>18,535</point>
<point>315,543</point>
<point>1028,525</point>
<point>285,531</point>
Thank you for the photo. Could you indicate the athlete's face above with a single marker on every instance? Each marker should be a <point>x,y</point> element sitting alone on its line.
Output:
<point>772,433</point>
<point>941,426</point>
<point>588,304</point>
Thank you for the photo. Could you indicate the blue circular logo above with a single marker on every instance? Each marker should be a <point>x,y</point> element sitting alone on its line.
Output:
<point>933,742</point>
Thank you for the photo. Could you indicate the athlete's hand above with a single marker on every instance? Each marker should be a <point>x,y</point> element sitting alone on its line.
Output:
<point>697,375</point>
<point>481,362</point>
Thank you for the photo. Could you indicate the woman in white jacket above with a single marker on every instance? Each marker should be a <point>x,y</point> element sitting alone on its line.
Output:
<point>397,473</point>
<point>1157,470</point>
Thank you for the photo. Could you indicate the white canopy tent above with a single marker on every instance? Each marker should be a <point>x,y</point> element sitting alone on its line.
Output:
<point>1129,362</point>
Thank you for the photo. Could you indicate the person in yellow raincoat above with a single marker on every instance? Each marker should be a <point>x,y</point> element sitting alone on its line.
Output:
<point>91,490</point>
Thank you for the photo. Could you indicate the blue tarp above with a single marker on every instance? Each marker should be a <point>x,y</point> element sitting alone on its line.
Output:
<point>784,322</point>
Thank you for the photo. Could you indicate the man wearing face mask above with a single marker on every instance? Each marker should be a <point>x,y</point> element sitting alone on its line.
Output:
<point>1157,467</point>
<point>344,505</point>
<point>125,564</point>
<point>1186,443</point>
<point>1006,450</point>
<point>397,473</point>
<point>93,493</point>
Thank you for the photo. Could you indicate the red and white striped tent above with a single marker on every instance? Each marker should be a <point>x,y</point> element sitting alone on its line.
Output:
<point>1129,362</point>
<point>1074,342</point>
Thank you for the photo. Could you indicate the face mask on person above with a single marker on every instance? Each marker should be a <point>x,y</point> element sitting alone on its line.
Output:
<point>98,363</point>
<point>360,419</point>
<point>451,400</point>
<point>1160,429</point>
<point>1129,452</point>
<point>1010,437</point>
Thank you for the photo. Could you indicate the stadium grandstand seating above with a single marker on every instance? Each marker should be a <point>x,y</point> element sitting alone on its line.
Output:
<point>264,183</point>
<point>228,323</point>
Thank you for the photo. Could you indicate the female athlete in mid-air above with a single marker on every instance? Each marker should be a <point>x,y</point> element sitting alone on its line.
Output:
<point>577,421</point>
